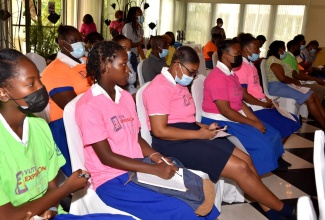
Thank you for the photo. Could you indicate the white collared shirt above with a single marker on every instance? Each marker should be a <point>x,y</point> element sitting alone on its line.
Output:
<point>225,69</point>
<point>97,90</point>
<point>24,140</point>
<point>168,76</point>
<point>67,60</point>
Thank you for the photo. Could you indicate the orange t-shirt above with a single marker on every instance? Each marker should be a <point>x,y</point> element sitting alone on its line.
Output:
<point>60,77</point>
<point>209,47</point>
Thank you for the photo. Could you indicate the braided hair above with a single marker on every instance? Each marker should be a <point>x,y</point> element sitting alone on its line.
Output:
<point>224,45</point>
<point>9,65</point>
<point>102,52</point>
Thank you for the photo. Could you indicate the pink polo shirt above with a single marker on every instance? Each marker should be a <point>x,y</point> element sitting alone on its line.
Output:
<point>100,118</point>
<point>163,96</point>
<point>221,84</point>
<point>249,79</point>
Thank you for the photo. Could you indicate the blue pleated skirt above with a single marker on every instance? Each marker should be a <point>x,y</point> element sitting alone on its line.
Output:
<point>264,149</point>
<point>60,139</point>
<point>284,125</point>
<point>145,203</point>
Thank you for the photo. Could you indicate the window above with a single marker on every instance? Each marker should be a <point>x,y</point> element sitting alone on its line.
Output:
<point>230,16</point>
<point>197,22</point>
<point>151,14</point>
<point>289,21</point>
<point>257,22</point>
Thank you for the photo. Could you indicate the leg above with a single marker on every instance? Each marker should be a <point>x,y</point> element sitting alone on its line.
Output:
<point>314,110</point>
<point>239,171</point>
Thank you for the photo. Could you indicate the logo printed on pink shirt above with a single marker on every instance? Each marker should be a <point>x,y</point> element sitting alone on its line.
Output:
<point>187,98</point>
<point>256,79</point>
<point>236,90</point>
<point>116,123</point>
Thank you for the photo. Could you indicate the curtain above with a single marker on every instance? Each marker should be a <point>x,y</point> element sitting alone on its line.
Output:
<point>230,14</point>
<point>198,22</point>
<point>288,22</point>
<point>256,22</point>
<point>180,16</point>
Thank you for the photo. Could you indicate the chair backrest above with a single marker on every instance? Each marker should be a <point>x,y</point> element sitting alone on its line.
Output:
<point>305,209</point>
<point>319,168</point>
<point>38,60</point>
<point>145,134</point>
<point>74,140</point>
<point>202,67</point>
<point>197,93</point>
<point>264,78</point>
<point>141,79</point>
<point>215,59</point>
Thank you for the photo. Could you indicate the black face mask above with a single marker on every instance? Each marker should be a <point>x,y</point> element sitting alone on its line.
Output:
<point>296,53</point>
<point>36,101</point>
<point>238,60</point>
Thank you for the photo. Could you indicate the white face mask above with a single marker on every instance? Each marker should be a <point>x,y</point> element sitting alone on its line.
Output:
<point>78,49</point>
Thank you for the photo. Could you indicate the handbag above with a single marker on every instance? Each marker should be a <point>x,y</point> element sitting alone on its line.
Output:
<point>200,193</point>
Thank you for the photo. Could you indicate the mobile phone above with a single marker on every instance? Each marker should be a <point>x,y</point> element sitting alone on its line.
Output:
<point>224,128</point>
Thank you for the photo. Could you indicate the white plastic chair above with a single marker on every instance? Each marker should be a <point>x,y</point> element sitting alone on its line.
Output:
<point>215,59</point>
<point>141,79</point>
<point>145,134</point>
<point>84,201</point>
<point>319,168</point>
<point>38,60</point>
<point>289,104</point>
<point>202,67</point>
<point>305,209</point>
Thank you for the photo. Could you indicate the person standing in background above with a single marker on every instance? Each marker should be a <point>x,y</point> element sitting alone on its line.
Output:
<point>88,25</point>
<point>134,31</point>
<point>218,29</point>
<point>116,26</point>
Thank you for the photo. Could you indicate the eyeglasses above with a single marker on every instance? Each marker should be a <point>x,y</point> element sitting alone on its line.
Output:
<point>191,73</point>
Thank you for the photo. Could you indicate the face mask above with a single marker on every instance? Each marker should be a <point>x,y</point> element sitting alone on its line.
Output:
<point>282,56</point>
<point>163,53</point>
<point>254,56</point>
<point>302,47</point>
<point>36,101</point>
<point>185,81</point>
<point>78,49</point>
<point>312,51</point>
<point>140,19</point>
<point>237,61</point>
<point>129,54</point>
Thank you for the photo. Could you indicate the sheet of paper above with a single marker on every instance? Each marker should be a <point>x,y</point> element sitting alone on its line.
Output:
<point>36,217</point>
<point>301,89</point>
<point>220,134</point>
<point>175,183</point>
<point>283,111</point>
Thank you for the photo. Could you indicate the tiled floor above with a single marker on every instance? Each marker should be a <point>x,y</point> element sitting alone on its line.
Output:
<point>288,185</point>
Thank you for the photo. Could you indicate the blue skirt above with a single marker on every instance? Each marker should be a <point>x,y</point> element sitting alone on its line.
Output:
<point>92,217</point>
<point>283,90</point>
<point>145,203</point>
<point>284,125</point>
<point>264,149</point>
<point>60,139</point>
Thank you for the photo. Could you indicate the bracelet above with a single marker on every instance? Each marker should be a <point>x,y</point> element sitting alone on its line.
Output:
<point>55,209</point>
<point>153,154</point>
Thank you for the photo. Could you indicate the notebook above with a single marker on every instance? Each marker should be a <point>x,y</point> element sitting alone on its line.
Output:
<point>220,134</point>
<point>283,111</point>
<point>175,183</point>
<point>301,89</point>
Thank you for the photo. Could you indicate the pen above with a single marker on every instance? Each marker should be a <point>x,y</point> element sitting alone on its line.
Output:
<point>170,165</point>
